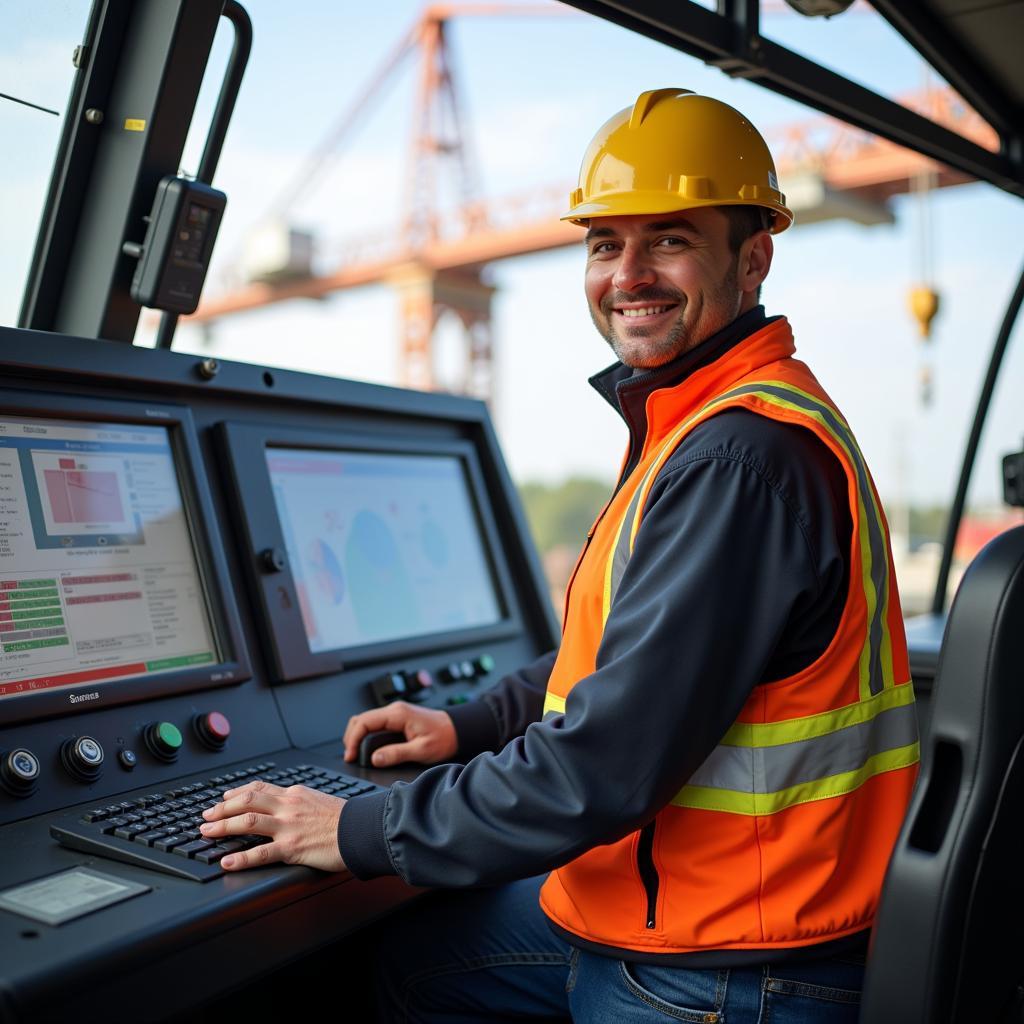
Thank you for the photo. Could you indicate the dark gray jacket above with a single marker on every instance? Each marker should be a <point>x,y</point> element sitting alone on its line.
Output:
<point>738,577</point>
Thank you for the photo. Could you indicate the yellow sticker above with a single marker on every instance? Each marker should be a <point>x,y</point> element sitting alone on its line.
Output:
<point>134,124</point>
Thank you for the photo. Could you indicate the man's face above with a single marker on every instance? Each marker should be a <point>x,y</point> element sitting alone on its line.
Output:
<point>658,285</point>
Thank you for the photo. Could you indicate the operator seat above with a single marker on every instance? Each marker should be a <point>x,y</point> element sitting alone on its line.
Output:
<point>947,942</point>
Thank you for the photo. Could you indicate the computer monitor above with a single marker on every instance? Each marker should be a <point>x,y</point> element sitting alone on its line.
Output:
<point>367,548</point>
<point>384,546</point>
<point>107,579</point>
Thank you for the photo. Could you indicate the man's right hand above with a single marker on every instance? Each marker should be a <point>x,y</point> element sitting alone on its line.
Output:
<point>429,734</point>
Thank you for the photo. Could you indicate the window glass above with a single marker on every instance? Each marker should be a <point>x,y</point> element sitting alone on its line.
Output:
<point>862,46</point>
<point>37,42</point>
<point>319,152</point>
<point>986,514</point>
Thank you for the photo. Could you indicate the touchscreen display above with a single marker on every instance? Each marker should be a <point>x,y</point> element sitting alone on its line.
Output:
<point>382,546</point>
<point>98,574</point>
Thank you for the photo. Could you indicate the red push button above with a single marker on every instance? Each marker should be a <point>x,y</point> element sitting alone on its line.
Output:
<point>218,725</point>
<point>213,729</point>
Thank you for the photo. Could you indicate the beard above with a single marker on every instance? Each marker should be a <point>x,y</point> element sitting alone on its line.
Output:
<point>641,348</point>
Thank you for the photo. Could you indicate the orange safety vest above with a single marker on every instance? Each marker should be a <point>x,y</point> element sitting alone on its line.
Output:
<point>782,836</point>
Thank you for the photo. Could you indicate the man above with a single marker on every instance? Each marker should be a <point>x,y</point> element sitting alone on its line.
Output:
<point>729,743</point>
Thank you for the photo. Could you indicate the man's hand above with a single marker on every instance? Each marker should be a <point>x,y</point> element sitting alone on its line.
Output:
<point>302,824</point>
<point>430,735</point>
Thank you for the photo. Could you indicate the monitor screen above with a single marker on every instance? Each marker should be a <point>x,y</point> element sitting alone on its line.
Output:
<point>99,577</point>
<point>382,546</point>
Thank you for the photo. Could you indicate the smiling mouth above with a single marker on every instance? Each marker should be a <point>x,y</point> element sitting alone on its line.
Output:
<point>644,311</point>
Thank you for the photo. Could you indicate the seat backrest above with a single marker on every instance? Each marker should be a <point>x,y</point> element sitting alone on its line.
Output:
<point>947,943</point>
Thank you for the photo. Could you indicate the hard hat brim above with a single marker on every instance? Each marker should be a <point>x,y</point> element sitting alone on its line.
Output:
<point>634,203</point>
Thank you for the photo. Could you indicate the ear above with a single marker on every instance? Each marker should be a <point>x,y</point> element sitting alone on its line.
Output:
<point>755,260</point>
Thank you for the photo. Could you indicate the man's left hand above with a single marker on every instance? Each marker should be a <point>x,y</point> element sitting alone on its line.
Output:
<point>302,824</point>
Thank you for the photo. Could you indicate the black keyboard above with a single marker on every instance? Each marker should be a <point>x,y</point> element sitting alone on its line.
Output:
<point>161,830</point>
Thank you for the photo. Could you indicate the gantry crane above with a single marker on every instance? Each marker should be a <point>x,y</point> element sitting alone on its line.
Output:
<point>436,264</point>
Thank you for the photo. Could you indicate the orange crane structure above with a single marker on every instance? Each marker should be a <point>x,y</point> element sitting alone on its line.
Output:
<point>437,263</point>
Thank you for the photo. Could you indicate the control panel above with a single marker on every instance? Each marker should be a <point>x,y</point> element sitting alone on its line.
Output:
<point>205,577</point>
<point>418,685</point>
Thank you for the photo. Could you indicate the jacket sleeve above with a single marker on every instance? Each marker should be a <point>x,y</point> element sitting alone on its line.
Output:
<point>504,711</point>
<point>721,562</point>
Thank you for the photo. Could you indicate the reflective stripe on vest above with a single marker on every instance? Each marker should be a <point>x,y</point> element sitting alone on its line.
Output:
<point>764,778</point>
<point>764,768</point>
<point>876,672</point>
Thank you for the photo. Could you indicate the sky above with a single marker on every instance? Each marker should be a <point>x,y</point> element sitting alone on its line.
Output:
<point>535,88</point>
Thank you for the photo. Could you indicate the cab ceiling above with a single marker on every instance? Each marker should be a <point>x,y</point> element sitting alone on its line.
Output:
<point>993,34</point>
<point>976,45</point>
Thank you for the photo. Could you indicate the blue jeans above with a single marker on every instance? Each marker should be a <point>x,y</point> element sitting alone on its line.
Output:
<point>488,955</point>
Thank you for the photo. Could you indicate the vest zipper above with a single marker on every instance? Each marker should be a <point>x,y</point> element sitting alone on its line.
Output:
<point>582,555</point>
<point>648,872</point>
<point>627,469</point>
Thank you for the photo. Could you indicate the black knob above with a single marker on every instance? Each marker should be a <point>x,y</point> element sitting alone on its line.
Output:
<point>396,686</point>
<point>273,560</point>
<point>451,673</point>
<point>19,772</point>
<point>418,680</point>
<point>82,758</point>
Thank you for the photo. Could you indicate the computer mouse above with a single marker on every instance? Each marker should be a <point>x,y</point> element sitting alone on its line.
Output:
<point>372,740</point>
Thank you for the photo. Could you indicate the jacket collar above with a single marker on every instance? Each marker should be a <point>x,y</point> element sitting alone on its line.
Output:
<point>645,398</point>
<point>626,389</point>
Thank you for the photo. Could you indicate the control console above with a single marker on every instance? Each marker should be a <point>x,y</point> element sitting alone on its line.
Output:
<point>202,578</point>
<point>419,684</point>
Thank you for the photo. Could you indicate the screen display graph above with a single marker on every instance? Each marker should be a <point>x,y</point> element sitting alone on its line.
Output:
<point>382,546</point>
<point>84,495</point>
<point>99,575</point>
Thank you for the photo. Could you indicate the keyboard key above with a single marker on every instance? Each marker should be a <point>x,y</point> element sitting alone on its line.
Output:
<point>170,842</point>
<point>210,856</point>
<point>129,831</point>
<point>193,847</point>
<point>149,838</point>
<point>248,842</point>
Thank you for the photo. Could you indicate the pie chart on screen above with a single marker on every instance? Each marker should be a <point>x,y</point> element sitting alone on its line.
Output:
<point>381,593</point>
<point>328,577</point>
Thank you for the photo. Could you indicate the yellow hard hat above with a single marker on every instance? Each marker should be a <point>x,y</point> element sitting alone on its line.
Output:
<point>675,150</point>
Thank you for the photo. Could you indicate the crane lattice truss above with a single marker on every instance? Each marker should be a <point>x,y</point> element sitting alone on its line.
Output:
<point>827,168</point>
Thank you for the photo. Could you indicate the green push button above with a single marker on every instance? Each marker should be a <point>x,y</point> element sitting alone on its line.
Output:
<point>169,735</point>
<point>164,740</point>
